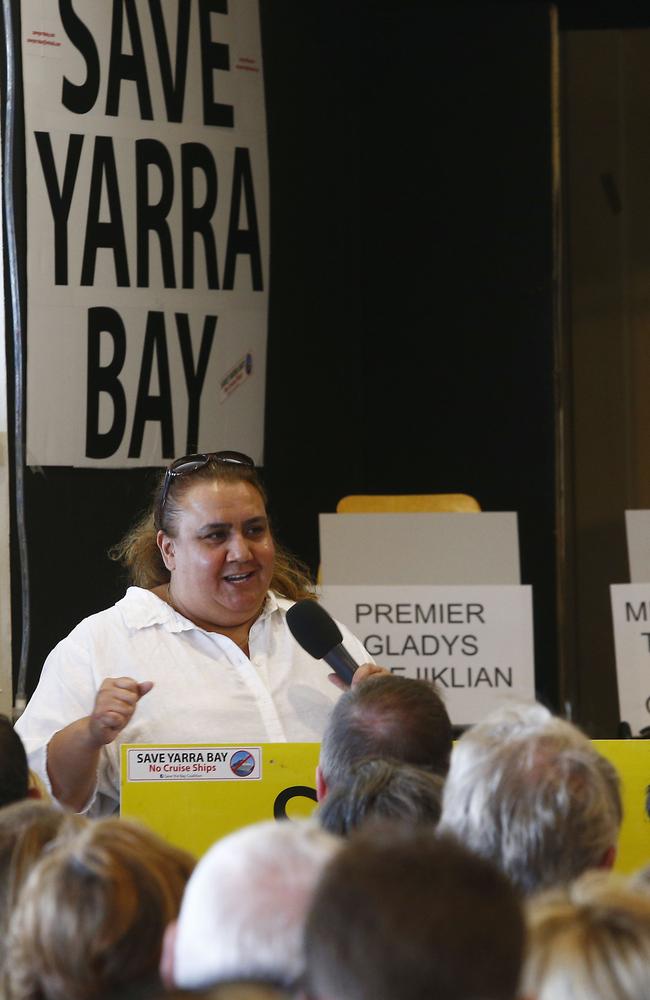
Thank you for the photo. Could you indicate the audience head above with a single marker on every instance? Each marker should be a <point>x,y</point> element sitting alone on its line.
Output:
<point>90,919</point>
<point>380,790</point>
<point>391,717</point>
<point>530,792</point>
<point>589,939</point>
<point>244,909</point>
<point>25,828</point>
<point>406,914</point>
<point>14,773</point>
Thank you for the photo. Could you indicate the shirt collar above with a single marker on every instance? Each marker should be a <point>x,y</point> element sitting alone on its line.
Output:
<point>142,608</point>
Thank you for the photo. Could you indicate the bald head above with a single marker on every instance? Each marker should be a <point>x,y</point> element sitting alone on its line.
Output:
<point>389,717</point>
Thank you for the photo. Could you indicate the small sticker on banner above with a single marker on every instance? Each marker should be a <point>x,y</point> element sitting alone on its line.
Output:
<point>45,38</point>
<point>234,378</point>
<point>197,764</point>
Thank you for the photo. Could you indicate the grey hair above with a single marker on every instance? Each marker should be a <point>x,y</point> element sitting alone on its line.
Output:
<point>244,908</point>
<point>382,789</point>
<point>531,792</point>
<point>590,939</point>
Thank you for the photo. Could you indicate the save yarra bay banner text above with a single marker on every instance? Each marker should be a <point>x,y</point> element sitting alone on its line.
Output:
<point>147,229</point>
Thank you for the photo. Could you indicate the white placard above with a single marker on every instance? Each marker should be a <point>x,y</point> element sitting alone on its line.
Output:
<point>423,548</point>
<point>193,764</point>
<point>475,642</point>
<point>631,614</point>
<point>637,529</point>
<point>147,230</point>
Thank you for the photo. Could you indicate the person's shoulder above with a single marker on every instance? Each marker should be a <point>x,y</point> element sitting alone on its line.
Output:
<point>128,607</point>
<point>132,599</point>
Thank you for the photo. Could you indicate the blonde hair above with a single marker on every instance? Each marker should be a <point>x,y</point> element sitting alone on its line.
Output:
<point>138,550</point>
<point>91,916</point>
<point>591,939</point>
<point>25,829</point>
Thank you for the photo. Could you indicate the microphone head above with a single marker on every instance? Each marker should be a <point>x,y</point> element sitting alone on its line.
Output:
<point>313,628</point>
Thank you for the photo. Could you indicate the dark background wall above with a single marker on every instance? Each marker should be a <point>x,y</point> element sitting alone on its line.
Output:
<point>412,267</point>
<point>411,338</point>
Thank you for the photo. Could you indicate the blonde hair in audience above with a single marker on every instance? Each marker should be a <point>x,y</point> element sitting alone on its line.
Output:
<point>91,917</point>
<point>25,828</point>
<point>590,940</point>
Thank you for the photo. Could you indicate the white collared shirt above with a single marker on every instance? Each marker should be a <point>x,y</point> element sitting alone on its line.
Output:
<point>206,690</point>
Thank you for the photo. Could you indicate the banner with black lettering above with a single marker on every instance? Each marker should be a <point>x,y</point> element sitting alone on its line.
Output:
<point>147,229</point>
<point>475,642</point>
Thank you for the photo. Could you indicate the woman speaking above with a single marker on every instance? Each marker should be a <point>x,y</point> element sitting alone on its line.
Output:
<point>198,650</point>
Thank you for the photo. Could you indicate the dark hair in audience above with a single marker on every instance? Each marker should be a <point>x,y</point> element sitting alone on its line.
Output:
<point>382,789</point>
<point>390,717</point>
<point>90,918</point>
<point>14,772</point>
<point>408,914</point>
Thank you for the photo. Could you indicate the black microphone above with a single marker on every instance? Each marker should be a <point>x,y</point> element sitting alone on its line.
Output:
<point>320,636</point>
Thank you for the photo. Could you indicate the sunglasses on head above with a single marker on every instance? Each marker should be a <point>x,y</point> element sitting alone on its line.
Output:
<point>188,464</point>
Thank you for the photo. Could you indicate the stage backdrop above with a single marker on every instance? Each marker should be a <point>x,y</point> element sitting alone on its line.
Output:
<point>147,230</point>
<point>411,305</point>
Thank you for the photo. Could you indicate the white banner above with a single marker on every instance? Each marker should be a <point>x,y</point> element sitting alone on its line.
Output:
<point>631,615</point>
<point>475,642</point>
<point>147,229</point>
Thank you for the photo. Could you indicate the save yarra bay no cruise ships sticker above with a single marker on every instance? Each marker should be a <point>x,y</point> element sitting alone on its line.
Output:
<point>194,764</point>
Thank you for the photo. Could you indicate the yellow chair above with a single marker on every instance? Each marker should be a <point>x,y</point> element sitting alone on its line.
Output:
<point>406,503</point>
